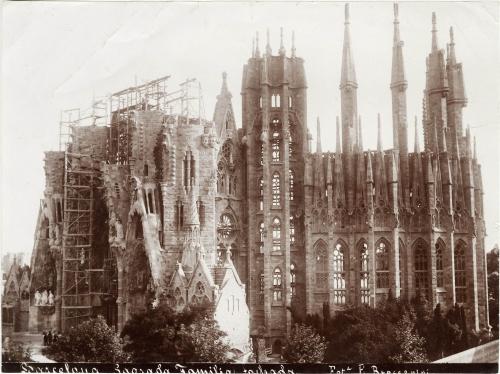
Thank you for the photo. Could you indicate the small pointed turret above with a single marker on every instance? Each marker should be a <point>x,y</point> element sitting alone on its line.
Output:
<point>434,33</point>
<point>451,54</point>
<point>318,136</point>
<point>329,179</point>
<point>379,134</point>
<point>282,51</point>
<point>394,169</point>
<point>268,44</point>
<point>468,150</point>
<point>475,149</point>
<point>253,47</point>
<point>257,50</point>
<point>430,173</point>
<point>293,43</point>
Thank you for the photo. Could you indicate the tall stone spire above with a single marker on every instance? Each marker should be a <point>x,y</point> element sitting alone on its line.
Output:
<point>398,90</point>
<point>348,91</point>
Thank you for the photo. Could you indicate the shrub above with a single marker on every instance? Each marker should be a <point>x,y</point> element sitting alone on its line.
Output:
<point>15,352</point>
<point>90,341</point>
<point>304,345</point>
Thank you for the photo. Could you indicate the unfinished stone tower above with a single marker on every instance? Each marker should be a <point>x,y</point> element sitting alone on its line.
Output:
<point>156,206</point>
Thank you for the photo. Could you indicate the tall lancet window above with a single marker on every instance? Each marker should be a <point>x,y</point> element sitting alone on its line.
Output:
<point>292,230</point>
<point>421,268</point>
<point>460,280</point>
<point>276,234</point>
<point>321,265</point>
<point>276,140</point>
<point>189,169</point>
<point>261,237</point>
<point>277,285</point>
<point>339,285</point>
<point>364,273</point>
<point>292,185</point>
<point>382,264</point>
<point>276,191</point>
<point>439,264</point>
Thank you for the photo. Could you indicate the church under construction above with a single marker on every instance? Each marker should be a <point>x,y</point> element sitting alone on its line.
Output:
<point>152,203</point>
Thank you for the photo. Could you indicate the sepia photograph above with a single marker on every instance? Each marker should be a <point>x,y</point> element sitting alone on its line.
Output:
<point>250,186</point>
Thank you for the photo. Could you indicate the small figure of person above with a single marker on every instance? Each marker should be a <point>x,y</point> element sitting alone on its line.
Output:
<point>45,337</point>
<point>38,297</point>
<point>45,297</point>
<point>55,337</point>
<point>49,337</point>
<point>51,298</point>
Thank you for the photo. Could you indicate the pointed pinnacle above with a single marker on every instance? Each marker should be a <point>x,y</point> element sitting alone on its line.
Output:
<point>268,45</point>
<point>318,136</point>
<point>379,134</point>
<point>293,43</point>
<point>434,33</point>
<point>346,14</point>
<point>369,171</point>
<point>475,149</point>
<point>348,72</point>
<point>253,47</point>
<point>430,174</point>
<point>396,12</point>
<point>337,145</point>
<point>451,51</point>
<point>282,48</point>
<point>436,144</point>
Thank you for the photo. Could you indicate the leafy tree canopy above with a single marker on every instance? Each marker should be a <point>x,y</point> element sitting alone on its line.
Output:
<point>304,345</point>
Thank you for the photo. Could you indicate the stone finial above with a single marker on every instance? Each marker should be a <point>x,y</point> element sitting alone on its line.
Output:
<point>379,134</point>
<point>293,43</point>
<point>282,47</point>
<point>268,43</point>
<point>318,136</point>
<point>346,13</point>
<point>257,50</point>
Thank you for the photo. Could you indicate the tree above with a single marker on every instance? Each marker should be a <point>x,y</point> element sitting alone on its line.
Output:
<point>161,334</point>
<point>304,345</point>
<point>361,334</point>
<point>90,341</point>
<point>208,341</point>
<point>411,346</point>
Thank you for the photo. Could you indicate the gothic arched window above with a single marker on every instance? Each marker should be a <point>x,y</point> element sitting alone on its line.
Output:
<point>277,285</point>
<point>321,265</point>
<point>225,227</point>
<point>339,285</point>
<point>460,280</point>
<point>364,273</point>
<point>439,263</point>
<point>382,264</point>
<point>261,236</point>
<point>200,289</point>
<point>276,234</point>
<point>276,140</point>
<point>421,268</point>
<point>276,191</point>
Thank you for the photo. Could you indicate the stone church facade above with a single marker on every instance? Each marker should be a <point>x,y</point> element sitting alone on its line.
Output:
<point>255,223</point>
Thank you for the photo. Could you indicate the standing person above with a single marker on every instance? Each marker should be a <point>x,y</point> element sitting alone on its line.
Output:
<point>44,337</point>
<point>49,337</point>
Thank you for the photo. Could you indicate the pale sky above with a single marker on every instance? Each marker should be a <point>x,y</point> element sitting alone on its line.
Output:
<point>57,55</point>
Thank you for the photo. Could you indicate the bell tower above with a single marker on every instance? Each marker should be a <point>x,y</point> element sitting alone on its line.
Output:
<point>275,135</point>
